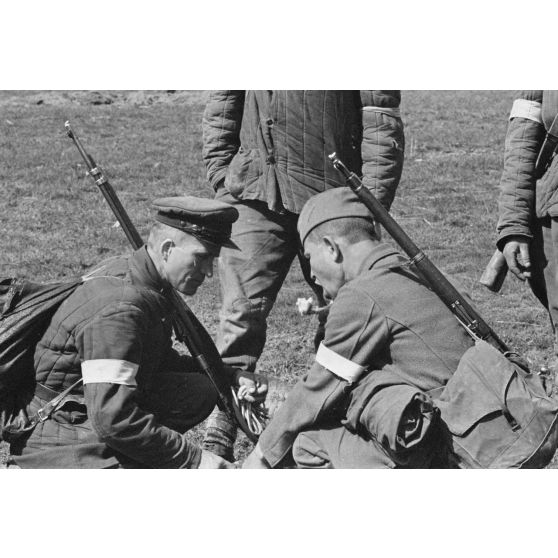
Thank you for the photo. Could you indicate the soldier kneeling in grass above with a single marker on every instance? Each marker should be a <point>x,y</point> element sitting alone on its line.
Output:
<point>138,396</point>
<point>389,340</point>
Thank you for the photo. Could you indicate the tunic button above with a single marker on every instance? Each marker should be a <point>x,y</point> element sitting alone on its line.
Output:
<point>269,121</point>
<point>270,160</point>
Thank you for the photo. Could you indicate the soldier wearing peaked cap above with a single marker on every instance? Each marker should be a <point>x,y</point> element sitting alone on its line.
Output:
<point>210,221</point>
<point>389,340</point>
<point>139,396</point>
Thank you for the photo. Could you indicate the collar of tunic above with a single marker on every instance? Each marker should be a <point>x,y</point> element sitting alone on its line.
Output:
<point>144,273</point>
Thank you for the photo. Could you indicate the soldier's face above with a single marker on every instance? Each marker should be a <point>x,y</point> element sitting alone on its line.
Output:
<point>187,264</point>
<point>325,265</point>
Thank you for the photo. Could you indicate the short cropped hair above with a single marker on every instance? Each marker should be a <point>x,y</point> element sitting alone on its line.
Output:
<point>160,232</point>
<point>352,229</point>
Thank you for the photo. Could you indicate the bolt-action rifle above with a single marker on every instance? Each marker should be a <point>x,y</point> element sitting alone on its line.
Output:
<point>188,330</point>
<point>450,296</point>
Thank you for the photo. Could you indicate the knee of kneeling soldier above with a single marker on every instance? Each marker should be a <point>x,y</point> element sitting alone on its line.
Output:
<point>307,453</point>
<point>183,401</point>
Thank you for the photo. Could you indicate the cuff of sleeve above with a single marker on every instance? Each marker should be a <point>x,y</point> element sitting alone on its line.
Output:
<point>274,455</point>
<point>395,112</point>
<point>230,373</point>
<point>218,180</point>
<point>259,453</point>
<point>504,236</point>
<point>383,195</point>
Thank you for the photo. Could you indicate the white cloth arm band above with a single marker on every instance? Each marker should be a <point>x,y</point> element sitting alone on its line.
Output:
<point>340,366</point>
<point>111,371</point>
<point>522,108</point>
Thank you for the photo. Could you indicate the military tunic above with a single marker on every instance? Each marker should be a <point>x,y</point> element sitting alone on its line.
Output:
<point>388,337</point>
<point>138,394</point>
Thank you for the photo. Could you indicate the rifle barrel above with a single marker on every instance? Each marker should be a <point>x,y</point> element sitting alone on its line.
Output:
<point>449,295</point>
<point>108,192</point>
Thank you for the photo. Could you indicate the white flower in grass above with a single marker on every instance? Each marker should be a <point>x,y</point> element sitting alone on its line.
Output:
<point>304,306</point>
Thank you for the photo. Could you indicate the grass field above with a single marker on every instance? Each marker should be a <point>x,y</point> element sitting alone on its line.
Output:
<point>55,224</point>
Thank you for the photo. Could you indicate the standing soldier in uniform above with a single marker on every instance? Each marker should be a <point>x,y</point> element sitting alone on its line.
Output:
<point>528,204</point>
<point>266,154</point>
<point>138,396</point>
<point>388,340</point>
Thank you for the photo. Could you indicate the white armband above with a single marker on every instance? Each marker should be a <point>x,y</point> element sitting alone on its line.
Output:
<point>111,371</point>
<point>522,108</point>
<point>340,366</point>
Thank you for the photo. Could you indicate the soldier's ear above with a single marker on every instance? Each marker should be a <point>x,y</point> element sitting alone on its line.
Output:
<point>332,249</point>
<point>165,248</point>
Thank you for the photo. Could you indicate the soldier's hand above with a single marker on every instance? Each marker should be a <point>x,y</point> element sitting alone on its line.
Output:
<point>251,387</point>
<point>516,252</point>
<point>211,461</point>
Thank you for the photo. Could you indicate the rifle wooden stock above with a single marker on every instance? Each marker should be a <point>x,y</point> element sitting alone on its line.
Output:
<point>495,272</point>
<point>449,295</point>
<point>187,327</point>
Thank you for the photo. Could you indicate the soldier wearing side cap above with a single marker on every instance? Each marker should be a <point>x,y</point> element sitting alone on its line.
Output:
<point>528,203</point>
<point>389,341</point>
<point>139,396</point>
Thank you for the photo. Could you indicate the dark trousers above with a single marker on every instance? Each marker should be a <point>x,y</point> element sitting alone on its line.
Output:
<point>252,277</point>
<point>67,439</point>
<point>544,262</point>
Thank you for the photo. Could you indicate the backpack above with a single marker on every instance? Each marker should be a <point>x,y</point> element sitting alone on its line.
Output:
<point>25,312</point>
<point>497,414</point>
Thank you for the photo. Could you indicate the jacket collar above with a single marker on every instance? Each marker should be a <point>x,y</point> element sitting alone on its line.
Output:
<point>383,253</point>
<point>144,273</point>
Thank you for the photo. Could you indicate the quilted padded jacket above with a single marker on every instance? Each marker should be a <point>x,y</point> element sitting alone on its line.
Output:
<point>522,197</point>
<point>273,146</point>
<point>120,314</point>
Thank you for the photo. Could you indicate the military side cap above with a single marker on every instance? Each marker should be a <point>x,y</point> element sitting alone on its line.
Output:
<point>336,203</point>
<point>208,220</point>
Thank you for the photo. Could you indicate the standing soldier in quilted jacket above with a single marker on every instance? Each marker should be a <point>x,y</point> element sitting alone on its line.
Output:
<point>528,204</point>
<point>266,153</point>
<point>138,396</point>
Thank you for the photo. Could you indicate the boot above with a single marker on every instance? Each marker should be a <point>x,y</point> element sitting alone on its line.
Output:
<point>220,435</point>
